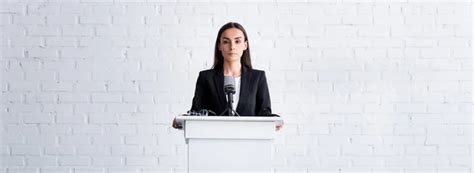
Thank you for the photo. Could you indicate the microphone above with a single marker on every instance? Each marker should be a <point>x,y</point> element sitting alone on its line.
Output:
<point>229,89</point>
<point>229,84</point>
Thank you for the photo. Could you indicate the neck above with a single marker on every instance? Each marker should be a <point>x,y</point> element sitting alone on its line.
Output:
<point>232,69</point>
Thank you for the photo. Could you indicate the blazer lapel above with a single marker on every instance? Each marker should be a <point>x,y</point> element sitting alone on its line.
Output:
<point>219,83</point>
<point>244,83</point>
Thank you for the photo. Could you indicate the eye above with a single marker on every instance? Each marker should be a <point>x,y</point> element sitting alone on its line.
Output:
<point>237,41</point>
<point>225,41</point>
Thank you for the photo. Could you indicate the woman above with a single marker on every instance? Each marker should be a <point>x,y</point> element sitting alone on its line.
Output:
<point>232,58</point>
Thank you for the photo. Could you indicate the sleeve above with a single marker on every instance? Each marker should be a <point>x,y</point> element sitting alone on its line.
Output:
<point>263,97</point>
<point>198,94</point>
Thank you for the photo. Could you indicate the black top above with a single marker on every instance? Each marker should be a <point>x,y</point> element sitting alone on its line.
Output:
<point>254,99</point>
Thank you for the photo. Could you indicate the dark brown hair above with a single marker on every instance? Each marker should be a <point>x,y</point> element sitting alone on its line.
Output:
<point>219,59</point>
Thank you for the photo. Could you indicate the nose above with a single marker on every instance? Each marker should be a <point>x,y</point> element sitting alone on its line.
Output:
<point>232,46</point>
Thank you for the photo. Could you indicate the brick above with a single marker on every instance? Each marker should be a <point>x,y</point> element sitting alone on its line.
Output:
<point>13,75</point>
<point>388,20</point>
<point>388,150</point>
<point>75,75</point>
<point>24,108</point>
<point>338,129</point>
<point>29,20</point>
<point>357,19</point>
<point>43,75</point>
<point>409,130</point>
<point>87,129</point>
<point>57,65</point>
<point>75,119</point>
<point>433,160</point>
<point>42,31</point>
<point>451,20</point>
<point>59,150</point>
<point>453,42</point>
<point>108,161</point>
<point>12,161</point>
<point>56,170</point>
<point>56,129</point>
<point>128,20</point>
<point>121,108</point>
<point>138,98</point>
<point>111,31</point>
<point>94,151</point>
<point>160,150</point>
<point>106,98</point>
<point>56,86</point>
<point>127,150</point>
<point>27,42</point>
<point>145,31</point>
<point>129,42</point>
<point>102,118</point>
<point>152,108</point>
<point>93,86</point>
<point>12,30</point>
<point>142,161</point>
<point>172,160</point>
<point>57,108</point>
<point>454,150</point>
<point>374,31</point>
<point>22,170</point>
<point>400,161</point>
<point>25,150</point>
<point>95,19</point>
<point>421,150</point>
<point>41,161</point>
<point>14,53</point>
<point>73,97</point>
<point>12,8</point>
<point>107,140</point>
<point>89,108</point>
<point>63,19</point>
<point>61,42</point>
<point>38,119</point>
<point>75,140</point>
<point>162,20</point>
<point>77,30</point>
<point>89,170</point>
<point>419,20</point>
<point>74,161</point>
<point>43,9</point>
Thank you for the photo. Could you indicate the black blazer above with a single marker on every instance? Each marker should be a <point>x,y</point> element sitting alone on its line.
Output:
<point>254,99</point>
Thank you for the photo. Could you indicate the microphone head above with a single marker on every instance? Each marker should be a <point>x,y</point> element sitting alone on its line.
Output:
<point>229,84</point>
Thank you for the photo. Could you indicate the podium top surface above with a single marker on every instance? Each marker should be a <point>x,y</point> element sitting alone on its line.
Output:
<point>278,120</point>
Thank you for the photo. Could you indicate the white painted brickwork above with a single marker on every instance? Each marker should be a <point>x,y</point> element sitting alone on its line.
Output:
<point>91,86</point>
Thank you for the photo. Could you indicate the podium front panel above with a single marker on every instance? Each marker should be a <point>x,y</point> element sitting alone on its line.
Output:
<point>216,155</point>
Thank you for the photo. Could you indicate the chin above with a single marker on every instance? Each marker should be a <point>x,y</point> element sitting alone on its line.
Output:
<point>232,58</point>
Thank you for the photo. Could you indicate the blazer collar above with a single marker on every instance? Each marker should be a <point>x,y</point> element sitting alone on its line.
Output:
<point>219,83</point>
<point>244,91</point>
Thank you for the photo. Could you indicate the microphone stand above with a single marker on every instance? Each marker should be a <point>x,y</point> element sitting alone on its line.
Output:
<point>230,99</point>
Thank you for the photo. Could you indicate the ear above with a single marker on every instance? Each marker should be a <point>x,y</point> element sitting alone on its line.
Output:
<point>246,45</point>
<point>219,46</point>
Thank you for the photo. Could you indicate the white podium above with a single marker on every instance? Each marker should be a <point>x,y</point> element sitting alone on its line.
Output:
<point>229,144</point>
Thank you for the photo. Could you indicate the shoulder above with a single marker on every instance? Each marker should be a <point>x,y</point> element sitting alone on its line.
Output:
<point>209,72</point>
<point>256,72</point>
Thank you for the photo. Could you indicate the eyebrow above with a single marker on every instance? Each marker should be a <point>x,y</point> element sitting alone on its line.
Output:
<point>235,38</point>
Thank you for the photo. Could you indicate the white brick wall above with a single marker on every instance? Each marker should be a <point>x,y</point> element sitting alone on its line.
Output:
<point>363,85</point>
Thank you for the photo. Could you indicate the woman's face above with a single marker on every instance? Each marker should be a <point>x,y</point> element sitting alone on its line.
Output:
<point>232,44</point>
